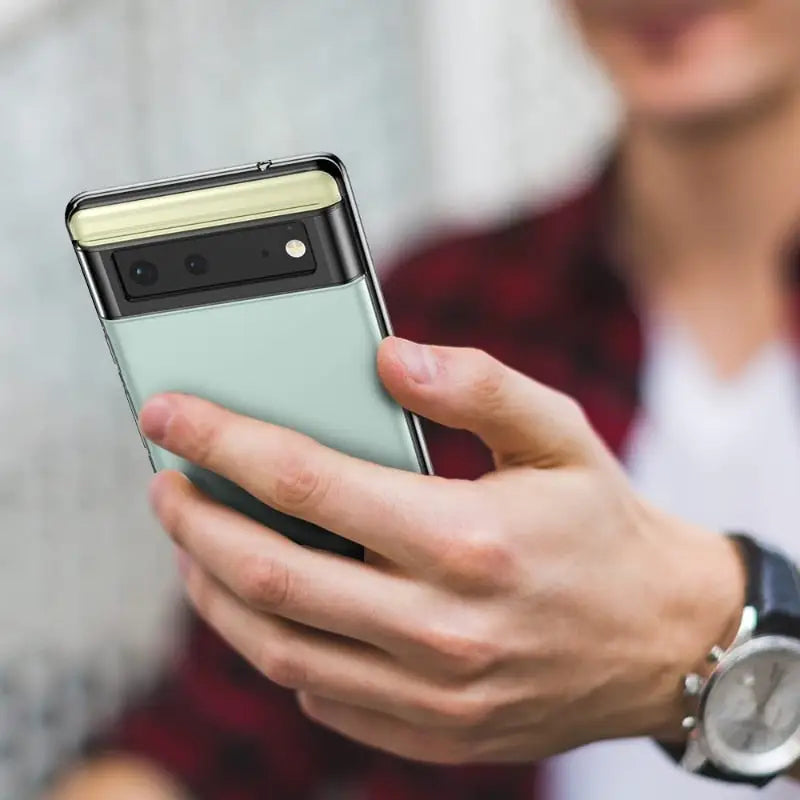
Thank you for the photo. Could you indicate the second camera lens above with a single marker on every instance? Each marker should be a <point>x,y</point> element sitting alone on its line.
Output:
<point>196,265</point>
<point>144,273</point>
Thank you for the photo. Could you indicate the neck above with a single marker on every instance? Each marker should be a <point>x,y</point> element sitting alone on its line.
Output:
<point>706,216</point>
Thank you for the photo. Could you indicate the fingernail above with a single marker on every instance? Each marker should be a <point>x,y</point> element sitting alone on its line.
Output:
<point>184,562</point>
<point>155,418</point>
<point>418,359</point>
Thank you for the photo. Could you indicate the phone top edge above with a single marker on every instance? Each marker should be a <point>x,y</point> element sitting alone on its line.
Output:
<point>122,192</point>
<point>327,162</point>
<point>197,209</point>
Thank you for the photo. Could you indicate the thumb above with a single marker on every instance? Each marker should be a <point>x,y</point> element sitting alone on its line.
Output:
<point>521,421</point>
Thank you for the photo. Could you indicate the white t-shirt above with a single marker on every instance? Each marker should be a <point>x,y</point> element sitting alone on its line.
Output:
<point>724,454</point>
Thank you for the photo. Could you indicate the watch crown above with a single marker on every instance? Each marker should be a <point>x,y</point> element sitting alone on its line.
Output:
<point>692,685</point>
<point>716,654</point>
<point>689,723</point>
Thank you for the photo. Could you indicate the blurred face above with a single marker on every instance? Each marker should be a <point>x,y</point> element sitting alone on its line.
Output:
<point>690,60</point>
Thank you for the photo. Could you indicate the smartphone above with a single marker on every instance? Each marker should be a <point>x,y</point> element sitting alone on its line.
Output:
<point>252,287</point>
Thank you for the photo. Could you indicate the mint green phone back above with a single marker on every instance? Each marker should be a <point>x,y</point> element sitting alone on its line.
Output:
<point>305,361</point>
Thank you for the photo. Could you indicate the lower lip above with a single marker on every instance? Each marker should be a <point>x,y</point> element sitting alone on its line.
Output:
<point>669,27</point>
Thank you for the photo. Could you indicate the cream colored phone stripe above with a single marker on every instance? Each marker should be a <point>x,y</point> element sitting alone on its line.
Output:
<point>204,208</point>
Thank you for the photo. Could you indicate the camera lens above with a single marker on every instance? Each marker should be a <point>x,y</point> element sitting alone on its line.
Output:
<point>144,273</point>
<point>196,265</point>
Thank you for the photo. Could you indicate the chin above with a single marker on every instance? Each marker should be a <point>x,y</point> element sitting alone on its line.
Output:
<point>714,65</point>
<point>719,96</point>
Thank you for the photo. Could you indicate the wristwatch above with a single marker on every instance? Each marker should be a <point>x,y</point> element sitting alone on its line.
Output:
<point>744,725</point>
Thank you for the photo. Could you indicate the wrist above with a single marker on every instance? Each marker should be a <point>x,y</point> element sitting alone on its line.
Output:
<point>704,595</point>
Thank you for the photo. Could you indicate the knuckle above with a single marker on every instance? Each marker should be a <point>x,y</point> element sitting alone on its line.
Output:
<point>309,705</point>
<point>477,557</point>
<point>282,668</point>
<point>464,653</point>
<point>488,381</point>
<point>266,583</point>
<point>174,515</point>
<point>202,595</point>
<point>462,711</point>
<point>203,440</point>
<point>574,436</point>
<point>571,411</point>
<point>470,712</point>
<point>298,486</point>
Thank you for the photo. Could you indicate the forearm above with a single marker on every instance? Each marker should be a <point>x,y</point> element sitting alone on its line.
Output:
<point>117,777</point>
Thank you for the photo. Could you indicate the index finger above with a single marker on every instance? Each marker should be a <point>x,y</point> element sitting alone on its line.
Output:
<point>401,515</point>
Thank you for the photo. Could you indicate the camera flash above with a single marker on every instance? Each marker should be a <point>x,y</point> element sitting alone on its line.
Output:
<point>295,248</point>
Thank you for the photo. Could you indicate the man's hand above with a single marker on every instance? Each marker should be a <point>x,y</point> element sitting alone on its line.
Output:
<point>116,778</point>
<point>534,610</point>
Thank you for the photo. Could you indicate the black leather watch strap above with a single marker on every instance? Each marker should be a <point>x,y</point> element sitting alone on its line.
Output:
<point>773,588</point>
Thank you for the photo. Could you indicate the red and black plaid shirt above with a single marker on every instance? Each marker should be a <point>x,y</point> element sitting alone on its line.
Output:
<point>538,295</point>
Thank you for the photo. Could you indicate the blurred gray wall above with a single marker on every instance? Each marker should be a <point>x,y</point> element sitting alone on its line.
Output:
<point>445,110</point>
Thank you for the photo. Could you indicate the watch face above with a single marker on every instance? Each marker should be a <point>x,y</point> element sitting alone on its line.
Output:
<point>751,715</point>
